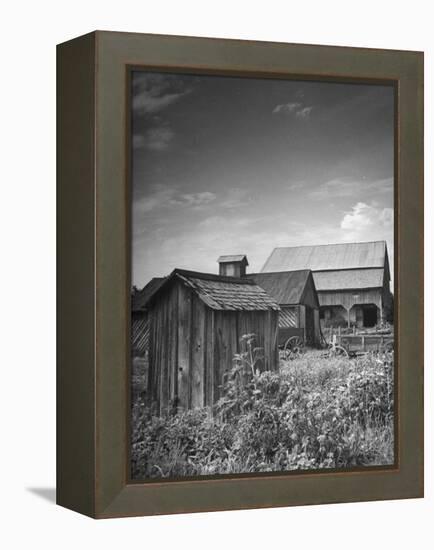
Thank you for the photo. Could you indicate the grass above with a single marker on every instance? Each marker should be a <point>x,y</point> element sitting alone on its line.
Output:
<point>316,413</point>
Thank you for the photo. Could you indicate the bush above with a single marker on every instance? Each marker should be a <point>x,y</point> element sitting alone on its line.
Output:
<point>315,413</point>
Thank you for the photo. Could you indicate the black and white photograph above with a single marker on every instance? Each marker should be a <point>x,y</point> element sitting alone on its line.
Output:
<point>262,278</point>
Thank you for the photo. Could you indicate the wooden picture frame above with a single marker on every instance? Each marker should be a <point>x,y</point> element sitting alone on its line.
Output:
<point>93,273</point>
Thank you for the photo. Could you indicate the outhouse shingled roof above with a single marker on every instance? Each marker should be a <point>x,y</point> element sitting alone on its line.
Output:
<point>217,291</point>
<point>228,293</point>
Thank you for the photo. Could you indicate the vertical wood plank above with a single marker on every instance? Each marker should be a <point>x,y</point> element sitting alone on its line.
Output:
<point>183,362</point>
<point>316,326</point>
<point>173,339</point>
<point>163,351</point>
<point>210,359</point>
<point>150,357</point>
<point>276,340</point>
<point>158,358</point>
<point>197,352</point>
<point>218,355</point>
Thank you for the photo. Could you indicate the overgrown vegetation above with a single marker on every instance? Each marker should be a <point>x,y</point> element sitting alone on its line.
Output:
<point>317,412</point>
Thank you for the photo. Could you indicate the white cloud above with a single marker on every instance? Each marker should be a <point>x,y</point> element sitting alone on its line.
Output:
<point>159,198</point>
<point>235,198</point>
<point>164,197</point>
<point>304,113</point>
<point>345,187</point>
<point>154,139</point>
<point>386,217</point>
<point>154,92</point>
<point>287,108</point>
<point>296,185</point>
<point>296,108</point>
<point>363,216</point>
<point>199,246</point>
<point>369,223</point>
<point>158,139</point>
<point>194,199</point>
<point>170,198</point>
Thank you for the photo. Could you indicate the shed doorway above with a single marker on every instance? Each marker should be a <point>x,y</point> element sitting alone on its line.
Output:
<point>370,315</point>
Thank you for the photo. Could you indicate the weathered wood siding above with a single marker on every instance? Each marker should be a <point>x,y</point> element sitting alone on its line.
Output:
<point>310,295</point>
<point>350,298</point>
<point>191,347</point>
<point>163,345</point>
<point>139,334</point>
<point>229,327</point>
<point>183,346</point>
<point>302,317</point>
<point>289,317</point>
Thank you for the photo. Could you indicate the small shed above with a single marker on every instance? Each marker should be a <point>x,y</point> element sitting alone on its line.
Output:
<point>297,297</point>
<point>196,321</point>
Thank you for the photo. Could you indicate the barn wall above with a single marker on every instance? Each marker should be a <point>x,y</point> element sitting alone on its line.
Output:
<point>289,317</point>
<point>387,302</point>
<point>317,326</point>
<point>310,296</point>
<point>309,329</point>
<point>350,298</point>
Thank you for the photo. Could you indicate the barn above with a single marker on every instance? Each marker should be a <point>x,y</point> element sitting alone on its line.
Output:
<point>196,321</point>
<point>352,280</point>
<point>296,295</point>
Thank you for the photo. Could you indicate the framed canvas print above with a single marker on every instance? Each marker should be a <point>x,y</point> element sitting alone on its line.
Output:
<point>240,274</point>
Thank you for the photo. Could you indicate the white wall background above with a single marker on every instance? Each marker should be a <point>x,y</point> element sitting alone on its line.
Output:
<point>29,32</point>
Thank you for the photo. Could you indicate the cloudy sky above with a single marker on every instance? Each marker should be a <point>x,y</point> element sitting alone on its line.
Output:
<point>225,165</point>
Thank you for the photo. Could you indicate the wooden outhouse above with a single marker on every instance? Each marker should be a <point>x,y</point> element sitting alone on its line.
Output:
<point>297,297</point>
<point>196,321</point>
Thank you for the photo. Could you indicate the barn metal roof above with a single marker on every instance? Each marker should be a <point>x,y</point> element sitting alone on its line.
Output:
<point>233,258</point>
<point>328,257</point>
<point>227,293</point>
<point>286,287</point>
<point>348,280</point>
